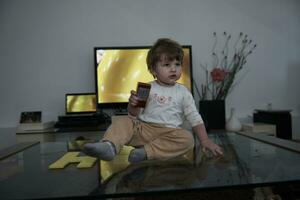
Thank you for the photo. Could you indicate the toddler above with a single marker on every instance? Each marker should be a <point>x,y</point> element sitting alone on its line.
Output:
<point>155,131</point>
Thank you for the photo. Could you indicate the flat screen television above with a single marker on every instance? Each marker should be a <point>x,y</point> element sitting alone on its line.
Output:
<point>80,103</point>
<point>119,69</point>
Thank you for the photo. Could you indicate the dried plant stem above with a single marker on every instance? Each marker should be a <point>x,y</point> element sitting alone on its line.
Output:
<point>220,78</point>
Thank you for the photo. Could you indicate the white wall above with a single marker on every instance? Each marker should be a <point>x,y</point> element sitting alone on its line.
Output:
<point>46,47</point>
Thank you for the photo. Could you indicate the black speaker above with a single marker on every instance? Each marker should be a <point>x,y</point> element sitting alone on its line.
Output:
<point>281,118</point>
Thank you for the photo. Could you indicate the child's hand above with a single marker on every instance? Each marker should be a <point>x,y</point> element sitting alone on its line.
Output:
<point>133,109</point>
<point>212,147</point>
<point>133,99</point>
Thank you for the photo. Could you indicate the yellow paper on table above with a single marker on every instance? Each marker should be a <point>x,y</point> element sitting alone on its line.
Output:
<point>72,157</point>
<point>120,162</point>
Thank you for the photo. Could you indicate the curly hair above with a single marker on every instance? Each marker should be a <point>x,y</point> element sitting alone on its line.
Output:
<point>164,47</point>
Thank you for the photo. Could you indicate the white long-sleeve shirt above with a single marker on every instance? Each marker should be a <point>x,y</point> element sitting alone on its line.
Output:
<point>170,106</point>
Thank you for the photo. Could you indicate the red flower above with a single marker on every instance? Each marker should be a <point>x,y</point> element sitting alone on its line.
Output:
<point>218,74</point>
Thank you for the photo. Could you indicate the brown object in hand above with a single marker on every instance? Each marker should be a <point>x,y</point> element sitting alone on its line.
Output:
<point>143,91</point>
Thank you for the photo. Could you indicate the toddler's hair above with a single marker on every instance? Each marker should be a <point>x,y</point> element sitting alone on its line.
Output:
<point>166,48</point>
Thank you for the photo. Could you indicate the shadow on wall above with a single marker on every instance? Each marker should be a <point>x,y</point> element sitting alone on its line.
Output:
<point>293,96</point>
<point>292,89</point>
<point>296,128</point>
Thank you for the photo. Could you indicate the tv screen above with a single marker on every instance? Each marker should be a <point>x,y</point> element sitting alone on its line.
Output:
<point>80,103</point>
<point>119,69</point>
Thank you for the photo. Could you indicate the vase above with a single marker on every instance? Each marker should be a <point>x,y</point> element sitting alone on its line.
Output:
<point>233,124</point>
<point>213,114</point>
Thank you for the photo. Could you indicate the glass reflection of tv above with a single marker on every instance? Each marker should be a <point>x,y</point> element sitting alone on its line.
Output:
<point>119,69</point>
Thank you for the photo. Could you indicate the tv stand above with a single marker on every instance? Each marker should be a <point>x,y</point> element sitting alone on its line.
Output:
<point>121,112</point>
<point>97,121</point>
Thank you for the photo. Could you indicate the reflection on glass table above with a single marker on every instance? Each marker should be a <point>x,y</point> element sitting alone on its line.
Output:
<point>246,163</point>
<point>25,175</point>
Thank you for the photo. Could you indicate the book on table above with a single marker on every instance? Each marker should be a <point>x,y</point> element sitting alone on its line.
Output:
<point>259,128</point>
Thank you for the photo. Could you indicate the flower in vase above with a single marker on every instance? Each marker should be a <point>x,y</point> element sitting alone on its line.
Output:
<point>218,74</point>
<point>226,63</point>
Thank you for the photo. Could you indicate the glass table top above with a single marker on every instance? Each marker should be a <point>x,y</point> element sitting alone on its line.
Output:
<point>246,162</point>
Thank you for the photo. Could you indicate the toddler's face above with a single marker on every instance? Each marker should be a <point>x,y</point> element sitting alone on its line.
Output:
<point>167,71</point>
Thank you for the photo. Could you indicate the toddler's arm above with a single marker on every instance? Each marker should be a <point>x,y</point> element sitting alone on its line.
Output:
<point>133,110</point>
<point>206,143</point>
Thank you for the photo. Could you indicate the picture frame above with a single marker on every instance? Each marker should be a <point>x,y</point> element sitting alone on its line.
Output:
<point>31,117</point>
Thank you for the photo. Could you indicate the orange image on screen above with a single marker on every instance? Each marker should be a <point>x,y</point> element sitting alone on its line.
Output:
<point>119,71</point>
<point>81,103</point>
